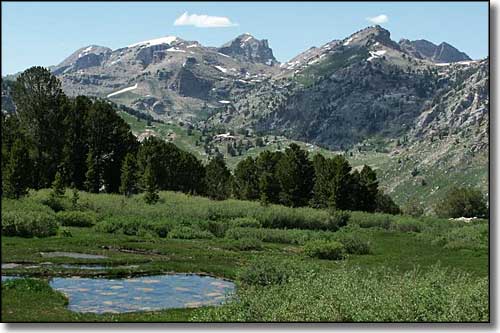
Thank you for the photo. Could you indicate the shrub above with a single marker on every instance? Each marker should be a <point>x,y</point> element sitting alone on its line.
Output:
<point>322,249</point>
<point>385,204</point>
<point>337,220</point>
<point>265,271</point>
<point>458,202</point>
<point>54,202</point>
<point>245,244</point>
<point>134,226</point>
<point>471,237</point>
<point>184,232</point>
<point>76,218</point>
<point>354,244</point>
<point>371,220</point>
<point>246,222</point>
<point>218,229</point>
<point>29,224</point>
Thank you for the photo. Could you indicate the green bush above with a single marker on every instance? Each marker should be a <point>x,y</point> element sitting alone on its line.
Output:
<point>55,203</point>
<point>218,229</point>
<point>458,202</point>
<point>322,249</point>
<point>184,232</point>
<point>471,237</point>
<point>29,224</point>
<point>249,222</point>
<point>76,218</point>
<point>134,226</point>
<point>371,220</point>
<point>244,244</point>
<point>354,244</point>
<point>337,220</point>
<point>265,271</point>
<point>281,217</point>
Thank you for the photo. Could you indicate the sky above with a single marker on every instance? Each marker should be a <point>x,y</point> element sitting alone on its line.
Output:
<point>35,33</point>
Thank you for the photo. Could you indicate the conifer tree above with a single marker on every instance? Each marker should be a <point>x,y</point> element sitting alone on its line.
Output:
<point>17,174</point>
<point>150,186</point>
<point>93,181</point>
<point>129,184</point>
<point>296,177</point>
<point>217,179</point>
<point>246,180</point>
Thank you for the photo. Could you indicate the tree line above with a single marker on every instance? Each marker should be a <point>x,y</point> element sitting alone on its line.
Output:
<point>84,144</point>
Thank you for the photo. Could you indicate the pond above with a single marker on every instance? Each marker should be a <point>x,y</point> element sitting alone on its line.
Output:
<point>149,293</point>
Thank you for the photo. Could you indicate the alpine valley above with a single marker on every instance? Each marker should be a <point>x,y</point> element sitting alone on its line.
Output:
<point>416,112</point>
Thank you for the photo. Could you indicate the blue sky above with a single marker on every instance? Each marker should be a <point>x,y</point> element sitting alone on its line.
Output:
<point>46,33</point>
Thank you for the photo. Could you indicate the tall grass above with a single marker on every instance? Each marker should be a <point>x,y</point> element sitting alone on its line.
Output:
<point>356,295</point>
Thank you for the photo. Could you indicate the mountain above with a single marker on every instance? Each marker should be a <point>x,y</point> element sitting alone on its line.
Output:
<point>442,53</point>
<point>168,77</point>
<point>247,48</point>
<point>416,111</point>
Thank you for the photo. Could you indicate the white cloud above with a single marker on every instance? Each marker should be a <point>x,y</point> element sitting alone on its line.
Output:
<point>204,21</point>
<point>378,19</point>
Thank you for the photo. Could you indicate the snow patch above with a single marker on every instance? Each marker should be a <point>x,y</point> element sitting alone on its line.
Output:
<point>176,50</point>
<point>376,54</point>
<point>222,69</point>
<point>347,42</point>
<point>85,52</point>
<point>225,102</point>
<point>224,55</point>
<point>123,90</point>
<point>163,40</point>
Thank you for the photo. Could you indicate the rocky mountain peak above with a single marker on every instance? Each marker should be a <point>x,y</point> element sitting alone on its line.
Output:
<point>424,49</point>
<point>371,35</point>
<point>88,56</point>
<point>248,48</point>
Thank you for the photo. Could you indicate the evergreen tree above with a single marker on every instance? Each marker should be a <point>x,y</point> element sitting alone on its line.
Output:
<point>75,148</point>
<point>266,190</point>
<point>58,185</point>
<point>368,186</point>
<point>93,178</point>
<point>321,188</point>
<point>39,98</point>
<point>129,176</point>
<point>109,139</point>
<point>150,186</point>
<point>340,183</point>
<point>296,177</point>
<point>217,179</point>
<point>269,187</point>
<point>246,180</point>
<point>17,175</point>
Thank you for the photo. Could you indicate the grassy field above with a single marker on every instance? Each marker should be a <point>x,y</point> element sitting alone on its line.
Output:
<point>442,263</point>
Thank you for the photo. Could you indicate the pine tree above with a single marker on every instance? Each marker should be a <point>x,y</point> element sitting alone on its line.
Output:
<point>217,179</point>
<point>340,183</point>
<point>129,175</point>
<point>149,180</point>
<point>39,98</point>
<point>58,185</point>
<point>93,180</point>
<point>296,177</point>
<point>368,189</point>
<point>17,175</point>
<point>269,187</point>
<point>246,180</point>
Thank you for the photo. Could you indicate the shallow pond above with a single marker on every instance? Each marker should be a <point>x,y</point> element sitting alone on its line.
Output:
<point>149,293</point>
